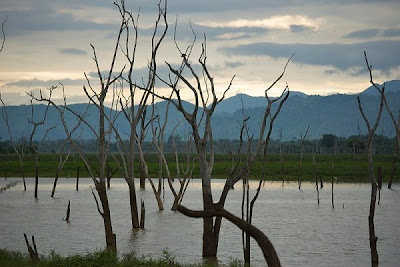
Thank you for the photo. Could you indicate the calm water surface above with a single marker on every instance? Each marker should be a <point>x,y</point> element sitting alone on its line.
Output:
<point>303,232</point>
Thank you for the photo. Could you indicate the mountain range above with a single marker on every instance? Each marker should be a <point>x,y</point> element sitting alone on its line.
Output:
<point>336,114</point>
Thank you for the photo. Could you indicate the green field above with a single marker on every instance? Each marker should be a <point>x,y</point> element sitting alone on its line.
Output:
<point>346,167</point>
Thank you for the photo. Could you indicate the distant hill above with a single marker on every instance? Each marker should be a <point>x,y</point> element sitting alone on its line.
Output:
<point>391,87</point>
<point>234,103</point>
<point>335,114</point>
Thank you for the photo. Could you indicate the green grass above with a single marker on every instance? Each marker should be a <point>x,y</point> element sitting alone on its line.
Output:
<point>102,258</point>
<point>346,167</point>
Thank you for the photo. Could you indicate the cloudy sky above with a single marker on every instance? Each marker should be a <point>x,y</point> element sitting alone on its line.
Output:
<point>48,42</point>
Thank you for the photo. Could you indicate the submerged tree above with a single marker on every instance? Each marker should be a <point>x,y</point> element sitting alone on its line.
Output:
<point>135,113</point>
<point>205,101</point>
<point>35,146</point>
<point>374,185</point>
<point>302,140</point>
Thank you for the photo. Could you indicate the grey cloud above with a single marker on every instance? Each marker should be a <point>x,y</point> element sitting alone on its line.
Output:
<point>383,55</point>
<point>45,19</point>
<point>391,33</point>
<point>217,33</point>
<point>233,64</point>
<point>299,28</point>
<point>73,51</point>
<point>331,71</point>
<point>368,33</point>
<point>42,83</point>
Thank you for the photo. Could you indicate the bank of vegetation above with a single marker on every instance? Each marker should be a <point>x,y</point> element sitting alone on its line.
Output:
<point>101,258</point>
<point>347,168</point>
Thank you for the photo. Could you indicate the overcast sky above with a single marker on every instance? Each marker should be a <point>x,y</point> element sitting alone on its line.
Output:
<point>48,42</point>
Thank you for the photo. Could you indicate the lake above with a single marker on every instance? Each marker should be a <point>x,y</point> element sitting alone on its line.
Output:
<point>303,232</point>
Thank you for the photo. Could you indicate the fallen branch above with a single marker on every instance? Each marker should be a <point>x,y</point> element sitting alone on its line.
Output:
<point>262,240</point>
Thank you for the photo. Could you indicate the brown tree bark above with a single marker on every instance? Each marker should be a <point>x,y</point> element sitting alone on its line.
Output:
<point>262,240</point>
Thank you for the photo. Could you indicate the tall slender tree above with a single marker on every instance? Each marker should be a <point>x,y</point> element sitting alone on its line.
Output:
<point>371,173</point>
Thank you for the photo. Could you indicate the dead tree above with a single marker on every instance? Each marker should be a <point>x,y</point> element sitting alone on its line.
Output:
<point>68,211</point>
<point>158,141</point>
<point>134,112</point>
<point>184,170</point>
<point>110,173</point>
<point>262,240</point>
<point>20,148</point>
<point>77,178</point>
<point>371,131</point>
<point>333,205</point>
<point>33,252</point>
<point>61,163</point>
<point>380,178</point>
<point>316,174</point>
<point>205,101</point>
<point>143,132</point>
<point>96,172</point>
<point>302,139</point>
<point>35,146</point>
<point>62,160</point>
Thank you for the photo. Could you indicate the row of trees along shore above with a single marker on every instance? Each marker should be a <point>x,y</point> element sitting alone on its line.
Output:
<point>327,144</point>
<point>135,101</point>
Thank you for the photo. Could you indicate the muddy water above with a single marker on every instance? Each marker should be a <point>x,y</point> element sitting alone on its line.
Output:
<point>303,232</point>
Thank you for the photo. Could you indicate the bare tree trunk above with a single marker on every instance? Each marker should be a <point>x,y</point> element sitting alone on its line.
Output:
<point>333,205</point>
<point>101,186</point>
<point>33,253</point>
<point>61,163</point>
<point>77,178</point>
<point>142,214</point>
<point>36,176</point>
<point>110,236</point>
<point>262,240</point>
<point>315,174</point>
<point>372,237</point>
<point>371,131</point>
<point>21,164</point>
<point>302,139</point>
<point>142,177</point>
<point>68,211</point>
<point>133,205</point>
<point>380,179</point>
<point>55,183</point>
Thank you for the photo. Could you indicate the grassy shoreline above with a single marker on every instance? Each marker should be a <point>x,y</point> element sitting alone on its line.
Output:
<point>101,258</point>
<point>346,167</point>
